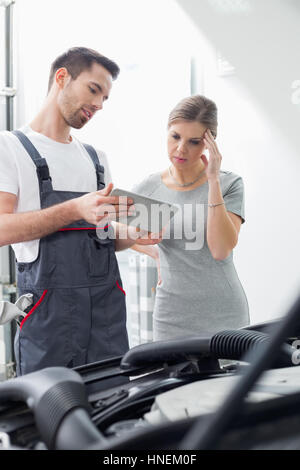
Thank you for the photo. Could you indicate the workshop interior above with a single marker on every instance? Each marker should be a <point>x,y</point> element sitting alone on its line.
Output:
<point>237,388</point>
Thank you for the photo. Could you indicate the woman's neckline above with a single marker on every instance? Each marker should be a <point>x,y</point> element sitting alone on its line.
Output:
<point>181,190</point>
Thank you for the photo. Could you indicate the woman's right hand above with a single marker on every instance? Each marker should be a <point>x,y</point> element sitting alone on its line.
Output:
<point>155,256</point>
<point>153,252</point>
<point>159,280</point>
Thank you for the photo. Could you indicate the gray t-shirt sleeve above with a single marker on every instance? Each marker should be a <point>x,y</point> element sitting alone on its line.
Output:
<point>234,197</point>
<point>147,186</point>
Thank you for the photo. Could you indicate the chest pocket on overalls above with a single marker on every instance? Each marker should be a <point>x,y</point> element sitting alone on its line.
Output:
<point>98,255</point>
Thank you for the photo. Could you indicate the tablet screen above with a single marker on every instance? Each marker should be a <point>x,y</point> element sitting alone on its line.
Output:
<point>150,214</point>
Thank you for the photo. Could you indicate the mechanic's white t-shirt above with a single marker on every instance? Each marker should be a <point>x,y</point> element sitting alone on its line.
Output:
<point>70,166</point>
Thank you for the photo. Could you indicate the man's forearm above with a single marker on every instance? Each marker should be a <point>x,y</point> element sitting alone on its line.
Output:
<point>25,226</point>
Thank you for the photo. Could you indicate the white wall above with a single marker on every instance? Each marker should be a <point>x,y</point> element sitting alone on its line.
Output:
<point>2,69</point>
<point>258,135</point>
<point>143,37</point>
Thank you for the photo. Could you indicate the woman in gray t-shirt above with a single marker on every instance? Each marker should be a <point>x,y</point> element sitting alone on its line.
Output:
<point>199,290</point>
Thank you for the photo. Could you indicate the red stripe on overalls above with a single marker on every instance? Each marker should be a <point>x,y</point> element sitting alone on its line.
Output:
<point>83,228</point>
<point>34,307</point>
<point>121,288</point>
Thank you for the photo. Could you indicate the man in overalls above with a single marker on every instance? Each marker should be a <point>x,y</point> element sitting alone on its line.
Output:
<point>54,191</point>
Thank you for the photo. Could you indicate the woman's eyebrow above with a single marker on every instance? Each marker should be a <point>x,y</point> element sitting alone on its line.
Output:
<point>196,138</point>
<point>190,138</point>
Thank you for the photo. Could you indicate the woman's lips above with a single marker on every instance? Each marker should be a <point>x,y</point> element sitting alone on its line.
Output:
<point>179,160</point>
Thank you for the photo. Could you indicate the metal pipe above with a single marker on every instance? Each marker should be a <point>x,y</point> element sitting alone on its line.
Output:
<point>9,92</point>
<point>9,63</point>
<point>6,3</point>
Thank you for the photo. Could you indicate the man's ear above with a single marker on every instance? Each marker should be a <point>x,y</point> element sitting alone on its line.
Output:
<point>62,77</point>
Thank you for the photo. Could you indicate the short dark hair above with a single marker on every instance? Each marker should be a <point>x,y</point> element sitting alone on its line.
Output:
<point>77,59</point>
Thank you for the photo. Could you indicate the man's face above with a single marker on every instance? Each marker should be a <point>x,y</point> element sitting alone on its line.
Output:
<point>79,99</point>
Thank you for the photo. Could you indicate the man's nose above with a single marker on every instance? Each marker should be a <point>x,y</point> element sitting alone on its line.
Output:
<point>98,104</point>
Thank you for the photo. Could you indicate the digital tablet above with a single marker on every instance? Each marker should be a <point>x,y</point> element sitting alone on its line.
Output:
<point>150,214</point>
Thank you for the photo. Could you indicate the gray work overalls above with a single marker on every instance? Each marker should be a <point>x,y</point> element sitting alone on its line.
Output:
<point>79,313</point>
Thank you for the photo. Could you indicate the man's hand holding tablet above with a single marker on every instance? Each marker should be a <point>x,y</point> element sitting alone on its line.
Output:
<point>151,215</point>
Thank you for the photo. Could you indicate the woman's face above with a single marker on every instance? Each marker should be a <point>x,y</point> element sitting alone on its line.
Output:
<point>185,143</point>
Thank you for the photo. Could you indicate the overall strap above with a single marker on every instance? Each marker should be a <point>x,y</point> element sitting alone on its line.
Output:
<point>42,170</point>
<point>99,168</point>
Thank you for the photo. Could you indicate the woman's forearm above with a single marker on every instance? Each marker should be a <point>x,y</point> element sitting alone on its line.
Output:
<point>147,250</point>
<point>154,253</point>
<point>124,236</point>
<point>128,237</point>
<point>222,235</point>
